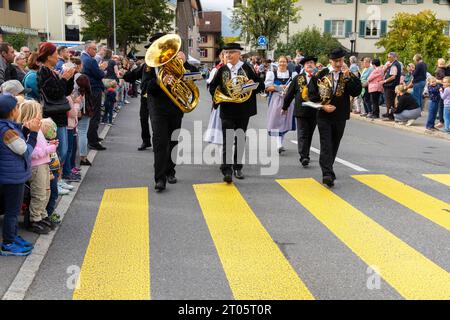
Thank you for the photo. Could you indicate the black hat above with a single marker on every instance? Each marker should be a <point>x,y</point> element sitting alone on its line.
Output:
<point>153,38</point>
<point>337,53</point>
<point>233,46</point>
<point>308,58</point>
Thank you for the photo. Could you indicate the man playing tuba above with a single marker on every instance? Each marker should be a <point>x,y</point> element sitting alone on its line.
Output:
<point>236,108</point>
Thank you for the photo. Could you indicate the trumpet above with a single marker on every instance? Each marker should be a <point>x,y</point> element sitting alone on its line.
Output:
<point>163,54</point>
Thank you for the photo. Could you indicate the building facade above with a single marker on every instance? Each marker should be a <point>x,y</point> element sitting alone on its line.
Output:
<point>361,22</point>
<point>210,33</point>
<point>15,19</point>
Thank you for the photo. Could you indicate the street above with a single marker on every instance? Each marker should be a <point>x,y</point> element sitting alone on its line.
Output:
<point>381,233</point>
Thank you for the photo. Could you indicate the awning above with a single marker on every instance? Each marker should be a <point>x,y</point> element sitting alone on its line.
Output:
<point>192,60</point>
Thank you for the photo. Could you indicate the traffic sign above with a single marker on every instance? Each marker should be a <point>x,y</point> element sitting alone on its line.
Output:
<point>262,41</point>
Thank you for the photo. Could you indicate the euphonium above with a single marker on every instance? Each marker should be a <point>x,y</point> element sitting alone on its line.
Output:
<point>163,54</point>
<point>234,91</point>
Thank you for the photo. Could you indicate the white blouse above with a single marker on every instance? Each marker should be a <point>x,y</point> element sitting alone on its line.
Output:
<point>270,77</point>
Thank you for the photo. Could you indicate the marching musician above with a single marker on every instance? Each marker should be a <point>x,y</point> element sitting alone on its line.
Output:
<point>234,116</point>
<point>304,87</point>
<point>332,117</point>
<point>165,118</point>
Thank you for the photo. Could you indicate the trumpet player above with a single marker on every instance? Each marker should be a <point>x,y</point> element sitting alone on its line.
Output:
<point>304,88</point>
<point>235,115</point>
<point>332,117</point>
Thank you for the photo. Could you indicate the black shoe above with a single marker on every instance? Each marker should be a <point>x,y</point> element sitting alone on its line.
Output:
<point>228,177</point>
<point>49,223</point>
<point>239,175</point>
<point>160,185</point>
<point>329,181</point>
<point>304,162</point>
<point>39,228</point>
<point>85,163</point>
<point>97,147</point>
<point>144,146</point>
<point>172,179</point>
<point>100,139</point>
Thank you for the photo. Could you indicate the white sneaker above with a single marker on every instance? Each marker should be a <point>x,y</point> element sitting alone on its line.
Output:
<point>62,192</point>
<point>127,102</point>
<point>64,185</point>
<point>410,122</point>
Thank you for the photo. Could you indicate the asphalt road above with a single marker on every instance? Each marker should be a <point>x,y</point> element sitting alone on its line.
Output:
<point>207,243</point>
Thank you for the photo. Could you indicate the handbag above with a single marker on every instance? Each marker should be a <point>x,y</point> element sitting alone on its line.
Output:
<point>51,106</point>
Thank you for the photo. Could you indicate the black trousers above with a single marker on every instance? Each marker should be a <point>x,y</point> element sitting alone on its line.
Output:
<point>144,118</point>
<point>305,132</point>
<point>389,94</point>
<point>163,127</point>
<point>228,164</point>
<point>331,133</point>
<point>375,99</point>
<point>92,133</point>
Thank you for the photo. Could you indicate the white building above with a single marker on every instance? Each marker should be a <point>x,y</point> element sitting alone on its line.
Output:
<point>364,21</point>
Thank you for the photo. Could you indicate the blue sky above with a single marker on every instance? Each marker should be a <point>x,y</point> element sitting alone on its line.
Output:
<point>218,5</point>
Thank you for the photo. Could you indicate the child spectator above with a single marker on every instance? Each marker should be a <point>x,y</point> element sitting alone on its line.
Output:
<point>40,172</point>
<point>70,174</point>
<point>16,146</point>
<point>110,100</point>
<point>435,98</point>
<point>445,96</point>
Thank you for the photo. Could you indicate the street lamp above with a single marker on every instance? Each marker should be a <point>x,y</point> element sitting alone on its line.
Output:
<point>114,26</point>
<point>352,37</point>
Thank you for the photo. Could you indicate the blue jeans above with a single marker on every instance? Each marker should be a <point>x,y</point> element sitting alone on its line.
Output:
<point>432,112</point>
<point>53,194</point>
<point>108,115</point>
<point>67,169</point>
<point>73,157</point>
<point>63,146</point>
<point>417,93</point>
<point>447,118</point>
<point>12,198</point>
<point>83,126</point>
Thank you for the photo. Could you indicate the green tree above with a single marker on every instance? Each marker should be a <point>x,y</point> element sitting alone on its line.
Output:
<point>416,33</point>
<point>18,40</point>
<point>312,42</point>
<point>135,20</point>
<point>264,17</point>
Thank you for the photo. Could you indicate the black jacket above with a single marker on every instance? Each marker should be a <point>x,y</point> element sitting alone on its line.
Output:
<point>406,102</point>
<point>236,110</point>
<point>295,92</point>
<point>346,88</point>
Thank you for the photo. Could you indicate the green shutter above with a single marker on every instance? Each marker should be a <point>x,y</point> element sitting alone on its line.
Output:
<point>384,1</point>
<point>327,28</point>
<point>327,1</point>
<point>436,1</point>
<point>383,27</point>
<point>363,1</point>
<point>348,28</point>
<point>362,28</point>
<point>349,1</point>
<point>419,1</point>
<point>399,1</point>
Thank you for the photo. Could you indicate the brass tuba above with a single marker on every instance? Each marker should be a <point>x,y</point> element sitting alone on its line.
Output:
<point>163,54</point>
<point>234,91</point>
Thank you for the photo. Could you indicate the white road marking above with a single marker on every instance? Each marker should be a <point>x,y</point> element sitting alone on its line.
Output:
<point>341,161</point>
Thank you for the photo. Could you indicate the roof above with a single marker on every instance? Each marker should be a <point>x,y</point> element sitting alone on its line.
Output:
<point>211,22</point>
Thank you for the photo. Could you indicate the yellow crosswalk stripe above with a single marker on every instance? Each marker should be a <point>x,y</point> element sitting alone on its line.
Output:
<point>418,201</point>
<point>254,265</point>
<point>413,275</point>
<point>117,262</point>
<point>441,178</point>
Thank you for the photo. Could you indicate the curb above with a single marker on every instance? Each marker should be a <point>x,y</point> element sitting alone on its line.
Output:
<point>415,129</point>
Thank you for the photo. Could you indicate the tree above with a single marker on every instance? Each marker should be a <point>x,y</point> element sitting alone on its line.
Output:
<point>264,17</point>
<point>416,33</point>
<point>17,41</point>
<point>135,20</point>
<point>311,42</point>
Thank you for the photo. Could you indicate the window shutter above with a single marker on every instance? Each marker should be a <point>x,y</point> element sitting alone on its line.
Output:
<point>327,28</point>
<point>327,1</point>
<point>436,1</point>
<point>419,1</point>
<point>384,1</point>
<point>399,1</point>
<point>349,1</point>
<point>363,1</point>
<point>348,28</point>
<point>362,28</point>
<point>383,27</point>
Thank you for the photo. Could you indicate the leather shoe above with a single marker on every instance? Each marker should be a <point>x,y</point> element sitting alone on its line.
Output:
<point>172,179</point>
<point>228,177</point>
<point>304,162</point>
<point>329,181</point>
<point>97,146</point>
<point>160,185</point>
<point>144,146</point>
<point>239,175</point>
<point>100,139</point>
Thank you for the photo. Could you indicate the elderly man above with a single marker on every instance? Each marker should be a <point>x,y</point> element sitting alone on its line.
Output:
<point>26,52</point>
<point>234,115</point>
<point>332,117</point>
<point>392,77</point>
<point>7,71</point>
<point>95,74</point>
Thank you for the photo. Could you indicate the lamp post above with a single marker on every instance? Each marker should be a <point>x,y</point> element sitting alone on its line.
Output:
<point>352,37</point>
<point>114,26</point>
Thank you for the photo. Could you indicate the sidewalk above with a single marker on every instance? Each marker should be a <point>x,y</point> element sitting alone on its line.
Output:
<point>417,127</point>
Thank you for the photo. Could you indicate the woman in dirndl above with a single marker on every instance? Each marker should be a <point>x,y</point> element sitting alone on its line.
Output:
<point>277,82</point>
